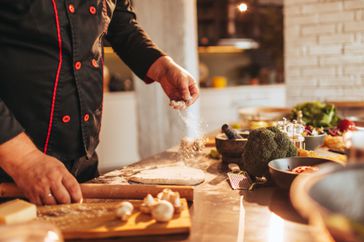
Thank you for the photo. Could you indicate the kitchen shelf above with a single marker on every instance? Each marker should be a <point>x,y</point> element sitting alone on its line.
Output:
<point>108,50</point>
<point>219,49</point>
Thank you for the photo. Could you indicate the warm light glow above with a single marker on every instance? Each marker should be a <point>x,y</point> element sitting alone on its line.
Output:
<point>243,7</point>
<point>276,229</point>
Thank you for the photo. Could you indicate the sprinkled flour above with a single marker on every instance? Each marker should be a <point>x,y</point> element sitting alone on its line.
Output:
<point>190,147</point>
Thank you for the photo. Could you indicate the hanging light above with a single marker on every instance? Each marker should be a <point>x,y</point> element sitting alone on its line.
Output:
<point>243,7</point>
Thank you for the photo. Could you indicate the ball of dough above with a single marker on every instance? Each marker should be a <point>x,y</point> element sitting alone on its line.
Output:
<point>163,211</point>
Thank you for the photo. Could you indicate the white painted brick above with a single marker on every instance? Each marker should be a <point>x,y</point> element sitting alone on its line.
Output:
<point>335,17</point>
<point>359,37</point>
<point>319,71</point>
<point>303,20</point>
<point>354,92</point>
<point>354,48</point>
<point>293,72</point>
<point>322,7</point>
<point>319,29</point>
<point>341,60</point>
<point>336,38</point>
<point>359,15</point>
<point>339,82</point>
<point>292,10</point>
<point>354,70</point>
<point>339,28</point>
<point>354,4</point>
<point>298,2</point>
<point>325,50</point>
<point>354,26</point>
<point>304,61</point>
<point>293,31</point>
<point>301,41</point>
<point>303,81</point>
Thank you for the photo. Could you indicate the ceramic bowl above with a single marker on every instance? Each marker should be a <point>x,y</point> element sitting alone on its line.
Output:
<point>313,142</point>
<point>280,169</point>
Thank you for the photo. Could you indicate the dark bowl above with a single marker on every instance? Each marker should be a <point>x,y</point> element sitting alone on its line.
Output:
<point>313,142</point>
<point>231,150</point>
<point>280,169</point>
<point>333,200</point>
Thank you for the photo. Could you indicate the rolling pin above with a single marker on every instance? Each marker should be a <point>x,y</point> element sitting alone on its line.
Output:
<point>105,191</point>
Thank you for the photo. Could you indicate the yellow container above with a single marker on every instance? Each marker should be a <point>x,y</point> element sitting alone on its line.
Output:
<point>219,81</point>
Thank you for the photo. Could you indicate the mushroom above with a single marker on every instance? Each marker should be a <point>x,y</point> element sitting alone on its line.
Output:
<point>172,197</point>
<point>176,202</point>
<point>147,204</point>
<point>165,194</point>
<point>124,211</point>
<point>162,211</point>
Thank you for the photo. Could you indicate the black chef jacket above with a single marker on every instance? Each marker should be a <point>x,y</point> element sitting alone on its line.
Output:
<point>51,58</point>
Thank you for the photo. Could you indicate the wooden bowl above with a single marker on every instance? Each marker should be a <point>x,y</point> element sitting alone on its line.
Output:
<point>280,169</point>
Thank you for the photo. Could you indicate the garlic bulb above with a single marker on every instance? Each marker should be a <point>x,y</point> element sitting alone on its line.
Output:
<point>124,211</point>
<point>162,211</point>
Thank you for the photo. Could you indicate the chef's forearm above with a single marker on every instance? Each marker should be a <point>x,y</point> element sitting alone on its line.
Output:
<point>13,153</point>
<point>130,42</point>
<point>9,126</point>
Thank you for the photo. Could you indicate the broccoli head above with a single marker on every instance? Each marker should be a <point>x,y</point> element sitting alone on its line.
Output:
<point>264,145</point>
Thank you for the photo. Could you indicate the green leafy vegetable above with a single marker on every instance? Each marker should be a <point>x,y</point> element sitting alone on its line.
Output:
<point>317,114</point>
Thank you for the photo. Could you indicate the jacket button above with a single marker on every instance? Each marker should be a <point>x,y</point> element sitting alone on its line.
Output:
<point>92,10</point>
<point>78,65</point>
<point>71,8</point>
<point>66,119</point>
<point>94,63</point>
<point>86,117</point>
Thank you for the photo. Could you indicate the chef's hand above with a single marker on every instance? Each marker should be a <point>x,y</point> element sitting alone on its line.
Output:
<point>176,82</point>
<point>43,179</point>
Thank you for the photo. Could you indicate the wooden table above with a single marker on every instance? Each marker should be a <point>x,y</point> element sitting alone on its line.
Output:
<point>221,214</point>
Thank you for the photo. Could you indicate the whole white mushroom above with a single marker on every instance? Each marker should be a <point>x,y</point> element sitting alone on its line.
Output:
<point>124,211</point>
<point>147,204</point>
<point>162,211</point>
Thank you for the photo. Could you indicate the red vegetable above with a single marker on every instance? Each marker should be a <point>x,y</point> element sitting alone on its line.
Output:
<point>345,125</point>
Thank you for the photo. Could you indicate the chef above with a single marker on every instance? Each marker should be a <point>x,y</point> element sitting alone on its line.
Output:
<point>51,68</point>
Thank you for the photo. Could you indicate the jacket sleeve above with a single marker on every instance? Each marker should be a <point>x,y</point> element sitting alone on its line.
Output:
<point>130,42</point>
<point>9,126</point>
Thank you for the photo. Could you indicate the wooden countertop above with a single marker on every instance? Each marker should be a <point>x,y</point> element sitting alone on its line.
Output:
<point>221,214</point>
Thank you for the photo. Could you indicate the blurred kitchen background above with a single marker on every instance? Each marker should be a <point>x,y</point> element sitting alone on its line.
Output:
<point>245,54</point>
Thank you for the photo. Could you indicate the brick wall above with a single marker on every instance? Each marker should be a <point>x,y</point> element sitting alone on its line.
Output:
<point>324,50</point>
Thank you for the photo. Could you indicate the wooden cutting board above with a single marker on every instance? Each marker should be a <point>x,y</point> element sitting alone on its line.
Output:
<point>98,220</point>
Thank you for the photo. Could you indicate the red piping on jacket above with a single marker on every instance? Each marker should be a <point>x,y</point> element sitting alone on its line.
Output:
<point>60,59</point>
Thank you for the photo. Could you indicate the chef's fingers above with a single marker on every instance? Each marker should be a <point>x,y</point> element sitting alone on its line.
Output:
<point>33,197</point>
<point>73,188</point>
<point>37,200</point>
<point>60,193</point>
<point>194,91</point>
<point>184,89</point>
<point>48,198</point>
